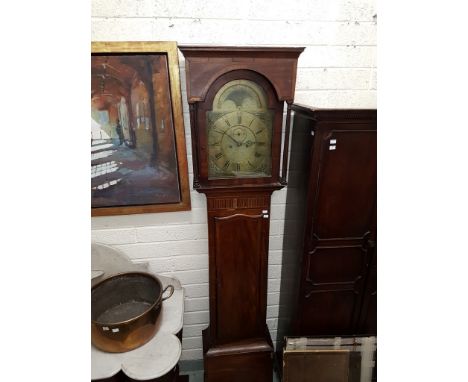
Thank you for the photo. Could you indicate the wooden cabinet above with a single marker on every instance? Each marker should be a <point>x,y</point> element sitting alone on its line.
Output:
<point>333,155</point>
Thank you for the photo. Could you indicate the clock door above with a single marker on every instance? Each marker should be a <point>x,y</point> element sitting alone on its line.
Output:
<point>240,250</point>
<point>239,135</point>
<point>239,131</point>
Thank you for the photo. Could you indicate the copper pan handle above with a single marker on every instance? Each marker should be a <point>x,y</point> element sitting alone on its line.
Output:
<point>170,294</point>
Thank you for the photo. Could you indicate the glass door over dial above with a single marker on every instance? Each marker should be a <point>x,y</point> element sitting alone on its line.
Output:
<point>239,132</point>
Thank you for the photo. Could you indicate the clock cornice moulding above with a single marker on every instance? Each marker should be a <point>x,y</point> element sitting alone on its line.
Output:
<point>229,58</point>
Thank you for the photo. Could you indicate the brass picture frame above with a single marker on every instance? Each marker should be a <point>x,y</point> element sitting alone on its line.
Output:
<point>138,151</point>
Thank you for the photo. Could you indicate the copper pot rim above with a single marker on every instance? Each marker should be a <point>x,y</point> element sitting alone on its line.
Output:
<point>132,273</point>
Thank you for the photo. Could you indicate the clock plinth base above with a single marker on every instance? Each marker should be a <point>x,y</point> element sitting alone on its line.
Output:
<point>249,360</point>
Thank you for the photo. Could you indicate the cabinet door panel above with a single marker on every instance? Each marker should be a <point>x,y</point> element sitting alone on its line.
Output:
<point>346,185</point>
<point>336,265</point>
<point>328,312</point>
<point>240,254</point>
<point>333,289</point>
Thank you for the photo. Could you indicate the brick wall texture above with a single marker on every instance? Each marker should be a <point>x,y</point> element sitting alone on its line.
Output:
<point>336,70</point>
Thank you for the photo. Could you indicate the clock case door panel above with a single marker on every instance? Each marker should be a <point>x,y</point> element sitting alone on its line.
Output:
<point>238,263</point>
<point>275,110</point>
<point>336,295</point>
<point>237,239</point>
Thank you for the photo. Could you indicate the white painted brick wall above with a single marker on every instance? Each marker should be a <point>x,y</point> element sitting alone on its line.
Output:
<point>337,69</point>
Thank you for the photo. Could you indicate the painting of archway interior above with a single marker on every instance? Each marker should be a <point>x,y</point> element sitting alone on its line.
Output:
<point>133,153</point>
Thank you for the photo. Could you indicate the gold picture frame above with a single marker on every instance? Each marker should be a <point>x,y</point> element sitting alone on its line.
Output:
<point>138,151</point>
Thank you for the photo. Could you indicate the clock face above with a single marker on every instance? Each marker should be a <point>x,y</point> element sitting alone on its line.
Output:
<point>239,132</point>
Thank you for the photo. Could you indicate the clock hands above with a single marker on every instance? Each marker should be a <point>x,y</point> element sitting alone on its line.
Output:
<point>249,143</point>
<point>237,143</point>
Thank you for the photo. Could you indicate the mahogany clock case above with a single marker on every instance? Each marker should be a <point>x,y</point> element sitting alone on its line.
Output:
<point>237,344</point>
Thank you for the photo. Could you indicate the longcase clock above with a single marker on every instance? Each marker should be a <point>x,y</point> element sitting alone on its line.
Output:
<point>237,101</point>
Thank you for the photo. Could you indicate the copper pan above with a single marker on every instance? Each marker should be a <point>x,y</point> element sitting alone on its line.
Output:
<point>124,310</point>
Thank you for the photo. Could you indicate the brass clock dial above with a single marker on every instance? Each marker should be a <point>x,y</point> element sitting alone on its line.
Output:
<point>239,132</point>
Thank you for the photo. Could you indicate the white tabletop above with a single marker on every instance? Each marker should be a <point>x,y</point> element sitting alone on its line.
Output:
<point>158,356</point>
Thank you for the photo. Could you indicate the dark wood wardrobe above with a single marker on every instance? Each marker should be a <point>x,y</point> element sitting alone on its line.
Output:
<point>329,279</point>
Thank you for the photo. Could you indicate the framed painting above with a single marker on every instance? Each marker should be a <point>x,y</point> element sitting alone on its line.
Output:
<point>138,155</point>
